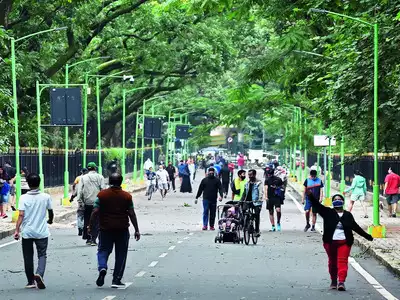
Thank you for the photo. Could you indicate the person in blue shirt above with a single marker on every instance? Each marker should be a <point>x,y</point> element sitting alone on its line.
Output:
<point>315,185</point>
<point>150,175</point>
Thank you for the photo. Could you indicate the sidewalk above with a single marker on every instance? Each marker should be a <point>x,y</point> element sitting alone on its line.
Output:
<point>61,213</point>
<point>386,250</point>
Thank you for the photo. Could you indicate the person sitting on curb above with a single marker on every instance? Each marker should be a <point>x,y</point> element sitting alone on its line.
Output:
<point>338,238</point>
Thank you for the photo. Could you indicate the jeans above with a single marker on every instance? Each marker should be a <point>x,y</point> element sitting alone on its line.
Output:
<point>80,216</point>
<point>209,210</point>
<point>93,235</point>
<point>107,240</point>
<point>27,251</point>
<point>338,259</point>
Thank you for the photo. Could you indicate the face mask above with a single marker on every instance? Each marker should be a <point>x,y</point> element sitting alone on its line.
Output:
<point>212,175</point>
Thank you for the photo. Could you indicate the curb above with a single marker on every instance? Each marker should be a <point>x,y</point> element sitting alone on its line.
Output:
<point>58,217</point>
<point>373,252</point>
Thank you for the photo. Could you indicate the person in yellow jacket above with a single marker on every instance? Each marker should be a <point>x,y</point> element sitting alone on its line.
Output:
<point>238,185</point>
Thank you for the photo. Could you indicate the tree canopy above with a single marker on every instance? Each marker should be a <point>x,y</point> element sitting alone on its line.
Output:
<point>242,63</point>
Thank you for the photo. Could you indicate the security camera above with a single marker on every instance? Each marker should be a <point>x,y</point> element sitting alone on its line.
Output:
<point>132,80</point>
<point>130,77</point>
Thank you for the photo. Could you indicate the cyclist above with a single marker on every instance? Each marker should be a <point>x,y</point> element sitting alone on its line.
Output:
<point>150,176</point>
<point>253,193</point>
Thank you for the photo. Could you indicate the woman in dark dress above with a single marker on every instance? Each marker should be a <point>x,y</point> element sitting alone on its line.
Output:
<point>186,186</point>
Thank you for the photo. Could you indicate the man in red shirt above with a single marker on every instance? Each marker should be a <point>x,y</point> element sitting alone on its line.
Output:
<point>392,185</point>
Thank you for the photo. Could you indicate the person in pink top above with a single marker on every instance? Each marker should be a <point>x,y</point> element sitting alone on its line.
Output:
<point>392,185</point>
<point>240,161</point>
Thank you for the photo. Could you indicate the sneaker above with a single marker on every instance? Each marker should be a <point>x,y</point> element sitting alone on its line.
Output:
<point>333,285</point>
<point>366,217</point>
<point>273,229</point>
<point>39,282</point>
<point>100,279</point>
<point>258,234</point>
<point>30,285</point>
<point>93,243</point>
<point>204,228</point>
<point>394,216</point>
<point>4,216</point>
<point>341,286</point>
<point>278,227</point>
<point>307,227</point>
<point>117,284</point>
<point>212,228</point>
<point>80,232</point>
<point>88,243</point>
<point>313,229</point>
<point>13,208</point>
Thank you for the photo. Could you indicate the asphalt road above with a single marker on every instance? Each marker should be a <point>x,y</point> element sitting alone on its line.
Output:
<point>176,260</point>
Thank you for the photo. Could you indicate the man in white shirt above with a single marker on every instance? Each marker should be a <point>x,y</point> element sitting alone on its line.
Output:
<point>163,179</point>
<point>33,207</point>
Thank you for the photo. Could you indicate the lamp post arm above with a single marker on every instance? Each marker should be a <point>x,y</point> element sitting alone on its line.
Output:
<point>328,12</point>
<point>40,32</point>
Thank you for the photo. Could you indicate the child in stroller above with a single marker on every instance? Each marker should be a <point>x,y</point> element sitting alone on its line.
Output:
<point>229,224</point>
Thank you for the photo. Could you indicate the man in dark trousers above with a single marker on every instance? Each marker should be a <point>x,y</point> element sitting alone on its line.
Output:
<point>172,175</point>
<point>225,176</point>
<point>113,207</point>
<point>210,187</point>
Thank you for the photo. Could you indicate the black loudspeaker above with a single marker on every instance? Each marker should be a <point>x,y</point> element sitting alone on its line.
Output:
<point>182,132</point>
<point>66,106</point>
<point>152,128</point>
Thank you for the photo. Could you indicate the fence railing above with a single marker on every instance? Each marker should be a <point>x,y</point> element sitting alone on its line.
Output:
<point>365,164</point>
<point>54,162</point>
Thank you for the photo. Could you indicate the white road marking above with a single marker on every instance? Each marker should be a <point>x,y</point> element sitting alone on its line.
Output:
<point>171,248</point>
<point>164,254</point>
<point>368,277</point>
<point>153,264</point>
<point>109,298</point>
<point>9,243</point>
<point>191,233</point>
<point>186,238</point>
<point>180,242</point>
<point>140,274</point>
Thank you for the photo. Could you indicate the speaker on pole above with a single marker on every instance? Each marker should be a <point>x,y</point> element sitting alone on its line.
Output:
<point>152,128</point>
<point>66,106</point>
<point>182,132</point>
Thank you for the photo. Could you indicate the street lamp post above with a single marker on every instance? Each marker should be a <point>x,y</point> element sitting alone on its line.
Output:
<point>376,229</point>
<point>15,107</point>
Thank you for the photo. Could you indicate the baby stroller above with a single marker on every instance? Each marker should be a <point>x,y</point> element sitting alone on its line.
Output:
<point>229,224</point>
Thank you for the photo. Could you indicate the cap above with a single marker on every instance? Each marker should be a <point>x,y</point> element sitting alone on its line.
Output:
<point>92,165</point>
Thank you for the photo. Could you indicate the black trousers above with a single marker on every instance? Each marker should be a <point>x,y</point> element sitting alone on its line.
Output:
<point>225,186</point>
<point>86,222</point>
<point>172,179</point>
<point>27,251</point>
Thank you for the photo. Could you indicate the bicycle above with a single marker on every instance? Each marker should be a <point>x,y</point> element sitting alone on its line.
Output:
<point>152,188</point>
<point>249,224</point>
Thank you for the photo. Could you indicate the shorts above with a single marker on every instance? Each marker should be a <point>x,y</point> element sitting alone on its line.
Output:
<point>162,186</point>
<point>392,199</point>
<point>274,202</point>
<point>308,206</point>
<point>357,197</point>
<point>12,190</point>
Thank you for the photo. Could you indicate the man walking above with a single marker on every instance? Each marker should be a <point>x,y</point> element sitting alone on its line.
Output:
<point>80,213</point>
<point>88,187</point>
<point>238,185</point>
<point>163,178</point>
<point>114,208</point>
<point>392,185</point>
<point>172,175</point>
<point>210,187</point>
<point>315,185</point>
<point>225,175</point>
<point>274,192</point>
<point>33,207</point>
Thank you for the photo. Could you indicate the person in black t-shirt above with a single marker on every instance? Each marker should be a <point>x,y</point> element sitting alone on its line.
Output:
<point>274,193</point>
<point>225,175</point>
<point>172,175</point>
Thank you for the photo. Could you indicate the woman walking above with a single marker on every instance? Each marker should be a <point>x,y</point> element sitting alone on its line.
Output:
<point>358,191</point>
<point>186,186</point>
<point>338,238</point>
